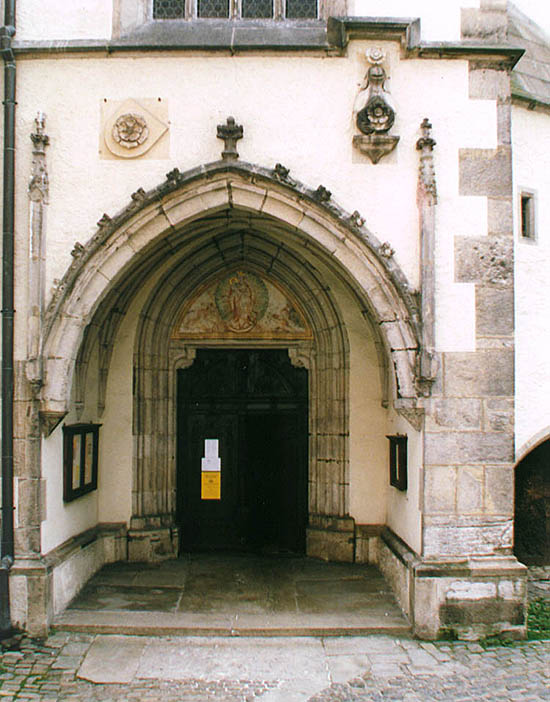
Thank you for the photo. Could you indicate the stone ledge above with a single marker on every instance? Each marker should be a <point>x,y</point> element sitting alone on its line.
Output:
<point>65,550</point>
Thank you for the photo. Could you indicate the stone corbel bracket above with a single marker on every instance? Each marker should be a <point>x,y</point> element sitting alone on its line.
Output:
<point>373,112</point>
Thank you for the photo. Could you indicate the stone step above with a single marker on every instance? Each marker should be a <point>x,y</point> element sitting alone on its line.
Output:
<point>195,624</point>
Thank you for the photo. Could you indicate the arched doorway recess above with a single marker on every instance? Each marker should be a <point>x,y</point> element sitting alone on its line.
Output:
<point>192,227</point>
<point>532,507</point>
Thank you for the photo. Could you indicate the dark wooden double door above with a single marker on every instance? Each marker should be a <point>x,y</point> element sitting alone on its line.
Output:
<point>254,402</point>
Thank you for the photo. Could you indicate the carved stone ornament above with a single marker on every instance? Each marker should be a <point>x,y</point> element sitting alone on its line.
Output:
<point>230,132</point>
<point>373,111</point>
<point>130,130</point>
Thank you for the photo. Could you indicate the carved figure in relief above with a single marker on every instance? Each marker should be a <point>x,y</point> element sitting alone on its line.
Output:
<point>240,299</point>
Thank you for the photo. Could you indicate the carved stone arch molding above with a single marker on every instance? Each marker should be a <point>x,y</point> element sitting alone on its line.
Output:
<point>161,348</point>
<point>160,224</point>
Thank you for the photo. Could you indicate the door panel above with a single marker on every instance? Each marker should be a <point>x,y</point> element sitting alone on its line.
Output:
<point>255,403</point>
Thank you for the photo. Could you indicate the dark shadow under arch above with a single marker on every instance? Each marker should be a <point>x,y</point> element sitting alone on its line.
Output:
<point>532,507</point>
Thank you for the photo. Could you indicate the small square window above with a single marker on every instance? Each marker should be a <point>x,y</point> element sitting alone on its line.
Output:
<point>398,461</point>
<point>527,216</point>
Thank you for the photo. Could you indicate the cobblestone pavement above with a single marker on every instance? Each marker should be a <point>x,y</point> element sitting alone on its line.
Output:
<point>349,669</point>
<point>377,668</point>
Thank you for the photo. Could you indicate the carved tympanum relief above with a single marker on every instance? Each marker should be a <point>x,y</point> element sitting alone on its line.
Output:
<point>373,111</point>
<point>131,128</point>
<point>241,304</point>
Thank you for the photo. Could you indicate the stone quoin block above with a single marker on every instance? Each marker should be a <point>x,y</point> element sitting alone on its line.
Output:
<point>500,216</point>
<point>440,489</point>
<point>457,414</point>
<point>499,414</point>
<point>489,260</point>
<point>494,311</point>
<point>499,490</point>
<point>481,536</point>
<point>469,491</point>
<point>485,373</point>
<point>488,83</point>
<point>485,172</point>
<point>459,448</point>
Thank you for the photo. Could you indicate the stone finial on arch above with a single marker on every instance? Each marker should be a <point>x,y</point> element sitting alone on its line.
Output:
<point>157,222</point>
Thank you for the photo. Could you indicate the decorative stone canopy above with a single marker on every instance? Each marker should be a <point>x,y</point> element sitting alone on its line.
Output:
<point>156,222</point>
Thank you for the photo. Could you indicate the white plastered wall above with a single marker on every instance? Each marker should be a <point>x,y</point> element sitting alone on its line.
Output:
<point>531,129</point>
<point>311,95</point>
<point>304,120</point>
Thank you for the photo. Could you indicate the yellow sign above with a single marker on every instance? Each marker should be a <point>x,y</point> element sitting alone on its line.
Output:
<point>211,485</point>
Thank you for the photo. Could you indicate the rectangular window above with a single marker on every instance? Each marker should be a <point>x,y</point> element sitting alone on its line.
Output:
<point>169,9</point>
<point>301,9</point>
<point>80,453</point>
<point>527,216</point>
<point>240,9</point>
<point>257,9</point>
<point>213,8</point>
<point>398,461</point>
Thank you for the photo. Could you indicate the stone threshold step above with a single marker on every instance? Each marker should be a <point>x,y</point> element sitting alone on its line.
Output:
<point>163,624</point>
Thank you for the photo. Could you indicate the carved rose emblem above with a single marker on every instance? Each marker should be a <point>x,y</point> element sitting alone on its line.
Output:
<point>130,130</point>
<point>376,116</point>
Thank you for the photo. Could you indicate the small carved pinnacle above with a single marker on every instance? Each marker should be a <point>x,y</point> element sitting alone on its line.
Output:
<point>38,137</point>
<point>230,132</point>
<point>281,172</point>
<point>425,140</point>
<point>356,219</point>
<point>104,221</point>
<point>386,250</point>
<point>78,250</point>
<point>322,194</point>
<point>139,195</point>
<point>174,175</point>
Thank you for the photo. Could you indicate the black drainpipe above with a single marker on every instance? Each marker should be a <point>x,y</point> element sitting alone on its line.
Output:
<point>7,550</point>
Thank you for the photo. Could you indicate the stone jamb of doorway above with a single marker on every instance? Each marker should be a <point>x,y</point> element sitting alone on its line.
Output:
<point>153,534</point>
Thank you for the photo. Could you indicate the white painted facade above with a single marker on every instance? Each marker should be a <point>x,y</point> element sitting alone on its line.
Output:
<point>296,108</point>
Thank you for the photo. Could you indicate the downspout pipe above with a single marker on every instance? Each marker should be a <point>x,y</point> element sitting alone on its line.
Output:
<point>7,544</point>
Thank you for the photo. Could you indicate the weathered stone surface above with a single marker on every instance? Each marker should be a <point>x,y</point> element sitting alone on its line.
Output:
<point>486,373</point>
<point>504,121</point>
<point>469,493</point>
<point>455,414</point>
<point>483,611</point>
<point>462,448</point>
<point>499,490</point>
<point>440,489</point>
<point>479,537</point>
<point>485,172</point>
<point>488,83</point>
<point>494,311</point>
<point>489,25</point>
<point>500,216</point>
<point>329,545</point>
<point>499,414</point>
<point>488,260</point>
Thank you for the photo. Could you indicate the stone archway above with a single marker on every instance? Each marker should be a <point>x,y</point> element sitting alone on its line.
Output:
<point>104,275</point>
<point>191,228</point>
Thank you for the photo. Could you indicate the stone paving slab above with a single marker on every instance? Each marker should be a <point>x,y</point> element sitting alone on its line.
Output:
<point>98,668</point>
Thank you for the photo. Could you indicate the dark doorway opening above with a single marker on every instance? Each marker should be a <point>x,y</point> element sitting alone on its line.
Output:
<point>532,508</point>
<point>253,403</point>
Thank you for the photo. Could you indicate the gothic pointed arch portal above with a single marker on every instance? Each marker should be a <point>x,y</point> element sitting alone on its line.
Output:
<point>192,235</point>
